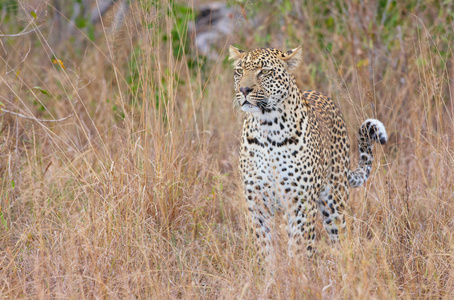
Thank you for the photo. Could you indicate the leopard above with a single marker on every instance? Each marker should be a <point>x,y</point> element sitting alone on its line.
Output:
<point>294,155</point>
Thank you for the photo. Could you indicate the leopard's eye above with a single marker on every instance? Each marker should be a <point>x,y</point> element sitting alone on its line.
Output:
<point>239,71</point>
<point>265,72</point>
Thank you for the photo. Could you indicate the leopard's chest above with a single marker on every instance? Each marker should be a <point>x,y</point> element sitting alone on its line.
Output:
<point>272,166</point>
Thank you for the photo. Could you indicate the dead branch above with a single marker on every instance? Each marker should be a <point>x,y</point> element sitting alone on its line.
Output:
<point>22,33</point>
<point>33,118</point>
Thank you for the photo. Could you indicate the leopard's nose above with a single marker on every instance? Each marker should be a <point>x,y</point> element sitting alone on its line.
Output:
<point>245,90</point>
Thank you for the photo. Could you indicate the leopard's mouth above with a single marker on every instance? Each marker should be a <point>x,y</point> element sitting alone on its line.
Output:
<point>246,102</point>
<point>249,107</point>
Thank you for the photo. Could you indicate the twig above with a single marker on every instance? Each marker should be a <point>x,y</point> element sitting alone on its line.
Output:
<point>23,32</point>
<point>85,85</point>
<point>26,55</point>
<point>33,118</point>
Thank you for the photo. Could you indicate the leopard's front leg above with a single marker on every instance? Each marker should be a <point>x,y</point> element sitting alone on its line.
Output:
<point>301,217</point>
<point>258,193</point>
<point>261,215</point>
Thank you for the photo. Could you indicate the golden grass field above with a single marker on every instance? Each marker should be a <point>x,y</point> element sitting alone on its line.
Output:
<point>136,193</point>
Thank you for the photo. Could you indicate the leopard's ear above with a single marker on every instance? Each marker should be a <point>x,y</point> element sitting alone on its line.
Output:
<point>293,57</point>
<point>235,54</point>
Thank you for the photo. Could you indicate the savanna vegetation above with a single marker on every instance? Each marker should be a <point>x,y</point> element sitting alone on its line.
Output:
<point>119,141</point>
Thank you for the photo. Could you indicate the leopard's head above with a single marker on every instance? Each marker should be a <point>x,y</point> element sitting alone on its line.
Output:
<point>263,77</point>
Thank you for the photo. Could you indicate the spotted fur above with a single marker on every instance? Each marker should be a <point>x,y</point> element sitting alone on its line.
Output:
<point>295,150</point>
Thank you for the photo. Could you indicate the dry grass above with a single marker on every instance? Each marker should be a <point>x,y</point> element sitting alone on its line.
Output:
<point>137,195</point>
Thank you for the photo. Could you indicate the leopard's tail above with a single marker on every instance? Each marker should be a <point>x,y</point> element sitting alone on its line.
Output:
<point>370,131</point>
